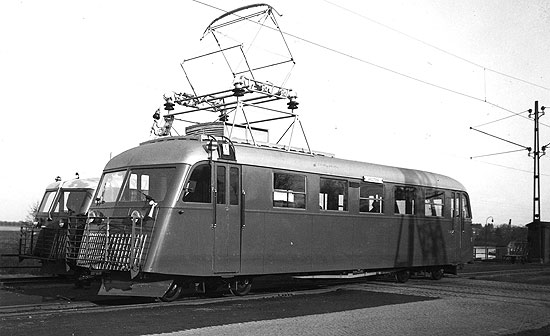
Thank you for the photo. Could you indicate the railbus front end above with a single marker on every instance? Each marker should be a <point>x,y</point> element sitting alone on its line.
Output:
<point>58,224</point>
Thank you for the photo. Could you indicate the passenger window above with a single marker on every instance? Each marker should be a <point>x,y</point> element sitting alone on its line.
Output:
<point>289,190</point>
<point>404,200</point>
<point>433,203</point>
<point>333,194</point>
<point>198,187</point>
<point>370,198</point>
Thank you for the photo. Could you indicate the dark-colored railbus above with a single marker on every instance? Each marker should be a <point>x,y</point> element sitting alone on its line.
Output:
<point>58,224</point>
<point>190,211</point>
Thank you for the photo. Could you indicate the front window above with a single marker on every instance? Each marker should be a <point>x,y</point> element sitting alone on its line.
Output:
<point>110,185</point>
<point>77,201</point>
<point>47,201</point>
<point>147,184</point>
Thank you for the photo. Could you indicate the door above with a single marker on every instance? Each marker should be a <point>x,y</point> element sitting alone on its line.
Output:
<point>227,225</point>
<point>466,248</point>
<point>456,224</point>
<point>460,210</point>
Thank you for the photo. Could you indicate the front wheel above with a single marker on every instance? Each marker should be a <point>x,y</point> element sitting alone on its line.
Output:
<point>241,287</point>
<point>172,293</point>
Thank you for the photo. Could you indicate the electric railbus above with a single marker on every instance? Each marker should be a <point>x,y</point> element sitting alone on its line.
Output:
<point>190,211</point>
<point>58,222</point>
<point>204,208</point>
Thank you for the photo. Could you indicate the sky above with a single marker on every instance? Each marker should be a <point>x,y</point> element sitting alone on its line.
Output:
<point>395,82</point>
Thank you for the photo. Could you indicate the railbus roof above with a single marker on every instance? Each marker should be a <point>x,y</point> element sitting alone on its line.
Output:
<point>77,183</point>
<point>189,150</point>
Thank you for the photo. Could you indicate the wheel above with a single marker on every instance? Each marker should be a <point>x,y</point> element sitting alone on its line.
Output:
<point>402,276</point>
<point>241,287</point>
<point>172,293</point>
<point>436,274</point>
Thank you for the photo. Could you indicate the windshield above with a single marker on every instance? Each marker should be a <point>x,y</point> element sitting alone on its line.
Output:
<point>147,184</point>
<point>77,201</point>
<point>47,201</point>
<point>110,185</point>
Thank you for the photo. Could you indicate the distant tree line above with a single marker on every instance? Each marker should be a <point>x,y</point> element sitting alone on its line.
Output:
<point>498,235</point>
<point>8,223</point>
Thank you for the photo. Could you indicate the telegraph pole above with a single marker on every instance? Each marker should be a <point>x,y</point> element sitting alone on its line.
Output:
<point>536,151</point>
<point>536,178</point>
<point>536,164</point>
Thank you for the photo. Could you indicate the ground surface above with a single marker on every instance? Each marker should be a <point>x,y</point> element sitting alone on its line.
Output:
<point>486,299</point>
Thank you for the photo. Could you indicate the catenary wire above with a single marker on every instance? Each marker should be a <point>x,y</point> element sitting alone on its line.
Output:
<point>391,70</point>
<point>435,47</point>
<point>500,119</point>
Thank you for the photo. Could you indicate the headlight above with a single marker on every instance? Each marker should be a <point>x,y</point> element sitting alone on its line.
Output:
<point>136,216</point>
<point>95,216</point>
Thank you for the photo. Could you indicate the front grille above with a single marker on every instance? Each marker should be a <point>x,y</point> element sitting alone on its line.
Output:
<point>117,244</point>
<point>51,243</point>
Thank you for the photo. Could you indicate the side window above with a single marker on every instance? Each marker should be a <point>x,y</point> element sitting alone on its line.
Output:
<point>370,198</point>
<point>289,190</point>
<point>465,207</point>
<point>433,202</point>
<point>47,201</point>
<point>404,200</point>
<point>198,187</point>
<point>333,194</point>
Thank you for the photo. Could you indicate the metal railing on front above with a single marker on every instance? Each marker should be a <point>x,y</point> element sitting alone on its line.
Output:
<point>51,243</point>
<point>112,244</point>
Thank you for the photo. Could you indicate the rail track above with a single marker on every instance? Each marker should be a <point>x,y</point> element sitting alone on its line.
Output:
<point>33,280</point>
<point>466,284</point>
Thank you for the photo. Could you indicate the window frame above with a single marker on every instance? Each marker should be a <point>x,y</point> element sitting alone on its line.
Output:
<point>126,194</point>
<point>99,197</point>
<point>429,212</point>
<point>288,192</point>
<point>324,202</point>
<point>407,189</point>
<point>371,200</point>
<point>206,198</point>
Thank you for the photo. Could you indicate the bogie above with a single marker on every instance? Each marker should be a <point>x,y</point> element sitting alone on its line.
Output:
<point>402,276</point>
<point>240,287</point>
<point>436,274</point>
